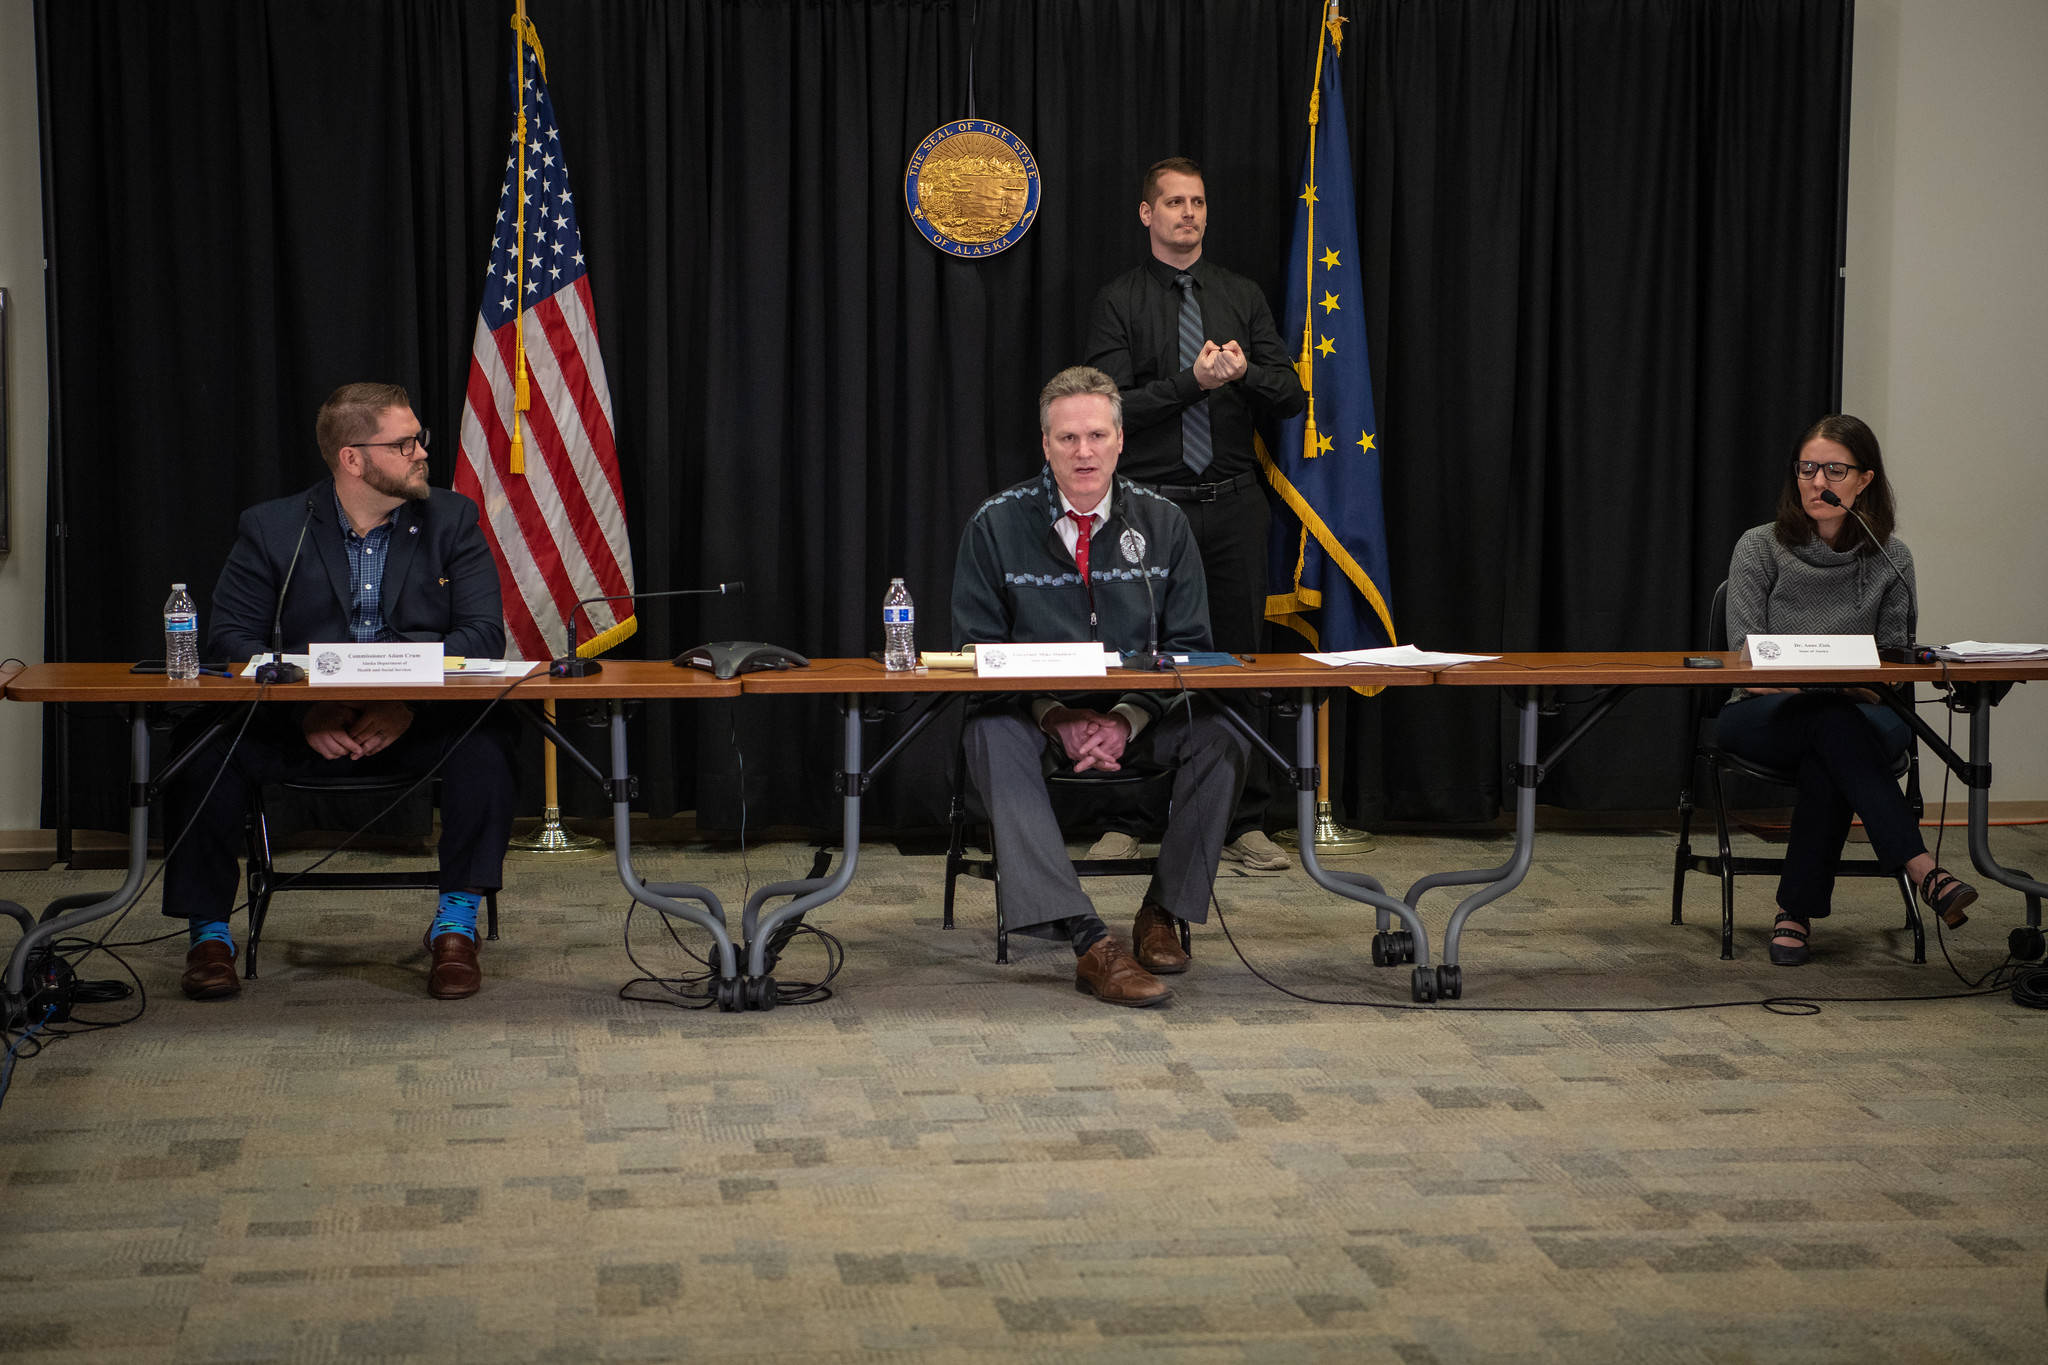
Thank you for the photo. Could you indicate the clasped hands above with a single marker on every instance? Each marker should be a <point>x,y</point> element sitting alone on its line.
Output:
<point>1218,365</point>
<point>1091,739</point>
<point>342,729</point>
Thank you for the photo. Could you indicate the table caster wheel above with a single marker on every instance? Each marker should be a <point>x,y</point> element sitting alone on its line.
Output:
<point>761,993</point>
<point>1383,952</point>
<point>1449,982</point>
<point>732,996</point>
<point>1423,986</point>
<point>1404,941</point>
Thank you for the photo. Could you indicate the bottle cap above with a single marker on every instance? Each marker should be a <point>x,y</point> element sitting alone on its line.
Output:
<point>177,587</point>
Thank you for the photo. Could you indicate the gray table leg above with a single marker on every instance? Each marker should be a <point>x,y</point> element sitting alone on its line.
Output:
<point>1353,886</point>
<point>813,892</point>
<point>668,898</point>
<point>1508,875</point>
<point>1980,813</point>
<point>68,912</point>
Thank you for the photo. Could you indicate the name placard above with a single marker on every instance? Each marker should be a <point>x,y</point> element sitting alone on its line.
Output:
<point>1083,660</point>
<point>1810,651</point>
<point>349,663</point>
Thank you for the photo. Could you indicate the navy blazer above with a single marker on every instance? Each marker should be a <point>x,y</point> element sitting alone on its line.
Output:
<point>440,583</point>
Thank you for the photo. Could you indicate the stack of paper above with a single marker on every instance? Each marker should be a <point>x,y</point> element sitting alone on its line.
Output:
<point>1984,652</point>
<point>1399,656</point>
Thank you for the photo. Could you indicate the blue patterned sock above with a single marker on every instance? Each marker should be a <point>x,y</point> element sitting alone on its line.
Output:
<point>209,931</point>
<point>457,915</point>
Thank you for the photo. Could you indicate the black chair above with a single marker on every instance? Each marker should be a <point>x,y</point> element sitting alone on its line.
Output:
<point>1707,704</point>
<point>959,865</point>
<point>265,882</point>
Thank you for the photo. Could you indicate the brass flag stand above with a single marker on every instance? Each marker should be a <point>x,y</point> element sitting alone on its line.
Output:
<point>1331,837</point>
<point>551,837</point>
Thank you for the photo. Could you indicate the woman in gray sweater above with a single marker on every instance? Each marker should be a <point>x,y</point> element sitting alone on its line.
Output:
<point>1817,570</point>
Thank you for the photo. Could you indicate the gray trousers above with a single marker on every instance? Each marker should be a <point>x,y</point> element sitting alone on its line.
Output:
<point>1007,758</point>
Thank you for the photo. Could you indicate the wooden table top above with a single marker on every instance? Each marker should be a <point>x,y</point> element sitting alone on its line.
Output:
<point>1265,670</point>
<point>655,678</point>
<point>1667,669</point>
<point>619,678</point>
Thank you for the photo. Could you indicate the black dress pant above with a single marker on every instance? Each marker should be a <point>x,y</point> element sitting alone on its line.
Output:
<point>1842,751</point>
<point>478,793</point>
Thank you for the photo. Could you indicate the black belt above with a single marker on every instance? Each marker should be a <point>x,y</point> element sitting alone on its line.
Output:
<point>1203,492</point>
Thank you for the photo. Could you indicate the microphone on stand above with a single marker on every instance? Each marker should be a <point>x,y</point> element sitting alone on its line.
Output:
<point>1909,654</point>
<point>276,670</point>
<point>1132,544</point>
<point>571,665</point>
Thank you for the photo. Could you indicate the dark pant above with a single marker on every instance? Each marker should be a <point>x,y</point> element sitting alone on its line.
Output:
<point>1231,533</point>
<point>1008,759</point>
<point>1842,752</point>
<point>478,793</point>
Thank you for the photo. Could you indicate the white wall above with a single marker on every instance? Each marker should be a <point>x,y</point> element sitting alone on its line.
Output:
<point>21,271</point>
<point>1947,309</point>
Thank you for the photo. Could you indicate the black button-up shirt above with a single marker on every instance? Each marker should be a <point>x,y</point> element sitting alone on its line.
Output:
<point>1134,338</point>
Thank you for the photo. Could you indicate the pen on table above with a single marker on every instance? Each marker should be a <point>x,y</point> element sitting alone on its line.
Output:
<point>216,672</point>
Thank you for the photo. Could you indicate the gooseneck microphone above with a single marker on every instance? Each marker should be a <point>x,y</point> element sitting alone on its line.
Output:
<point>1132,544</point>
<point>1912,653</point>
<point>277,670</point>
<point>571,665</point>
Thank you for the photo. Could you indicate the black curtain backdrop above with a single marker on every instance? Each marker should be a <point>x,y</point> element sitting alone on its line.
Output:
<point>1601,264</point>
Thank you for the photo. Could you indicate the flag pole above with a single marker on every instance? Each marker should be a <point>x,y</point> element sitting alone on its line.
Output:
<point>551,837</point>
<point>1331,835</point>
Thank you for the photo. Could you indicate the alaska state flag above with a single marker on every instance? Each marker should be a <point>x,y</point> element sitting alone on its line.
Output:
<point>1328,568</point>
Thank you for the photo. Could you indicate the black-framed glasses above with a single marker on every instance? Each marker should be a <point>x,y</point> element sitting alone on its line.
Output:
<point>1834,470</point>
<point>405,446</point>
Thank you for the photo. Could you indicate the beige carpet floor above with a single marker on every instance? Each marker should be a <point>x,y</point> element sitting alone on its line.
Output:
<point>956,1160</point>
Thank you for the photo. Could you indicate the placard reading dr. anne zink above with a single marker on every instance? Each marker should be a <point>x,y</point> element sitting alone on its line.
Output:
<point>1811,651</point>
<point>334,665</point>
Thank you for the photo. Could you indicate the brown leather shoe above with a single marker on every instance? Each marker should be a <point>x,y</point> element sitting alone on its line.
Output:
<point>1155,941</point>
<point>210,972</point>
<point>1110,974</point>
<point>455,973</point>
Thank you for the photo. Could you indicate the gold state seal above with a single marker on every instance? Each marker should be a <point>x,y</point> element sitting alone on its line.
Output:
<point>972,188</point>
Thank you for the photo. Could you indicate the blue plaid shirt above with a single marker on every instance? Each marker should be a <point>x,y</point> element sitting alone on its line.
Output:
<point>366,557</point>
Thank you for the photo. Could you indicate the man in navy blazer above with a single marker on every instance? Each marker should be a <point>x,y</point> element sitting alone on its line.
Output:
<point>384,557</point>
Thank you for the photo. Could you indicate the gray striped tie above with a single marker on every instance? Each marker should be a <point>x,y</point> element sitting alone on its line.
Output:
<point>1196,448</point>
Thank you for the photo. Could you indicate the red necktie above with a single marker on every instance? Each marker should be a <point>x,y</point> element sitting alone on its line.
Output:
<point>1084,520</point>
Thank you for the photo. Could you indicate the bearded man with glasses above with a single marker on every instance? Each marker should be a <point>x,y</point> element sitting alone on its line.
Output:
<point>369,553</point>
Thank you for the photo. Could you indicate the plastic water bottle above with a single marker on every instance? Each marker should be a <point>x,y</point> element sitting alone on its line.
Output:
<point>899,629</point>
<point>181,634</point>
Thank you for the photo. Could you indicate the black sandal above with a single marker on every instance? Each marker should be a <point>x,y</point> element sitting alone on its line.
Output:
<point>1798,952</point>
<point>1955,897</point>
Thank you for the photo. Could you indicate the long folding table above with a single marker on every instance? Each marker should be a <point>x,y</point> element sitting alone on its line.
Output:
<point>743,960</point>
<point>1974,689</point>
<point>113,684</point>
<point>857,682</point>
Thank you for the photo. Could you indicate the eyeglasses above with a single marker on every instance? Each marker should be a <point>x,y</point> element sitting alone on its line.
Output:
<point>407,445</point>
<point>1835,470</point>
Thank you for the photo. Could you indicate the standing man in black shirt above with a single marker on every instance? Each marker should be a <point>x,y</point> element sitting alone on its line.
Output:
<point>1193,350</point>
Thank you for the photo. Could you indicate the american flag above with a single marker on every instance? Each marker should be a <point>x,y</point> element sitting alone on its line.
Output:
<point>557,526</point>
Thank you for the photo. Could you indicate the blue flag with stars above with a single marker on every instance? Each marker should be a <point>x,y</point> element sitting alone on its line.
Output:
<point>1328,567</point>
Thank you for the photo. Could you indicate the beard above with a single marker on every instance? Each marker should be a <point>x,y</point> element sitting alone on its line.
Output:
<point>411,486</point>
